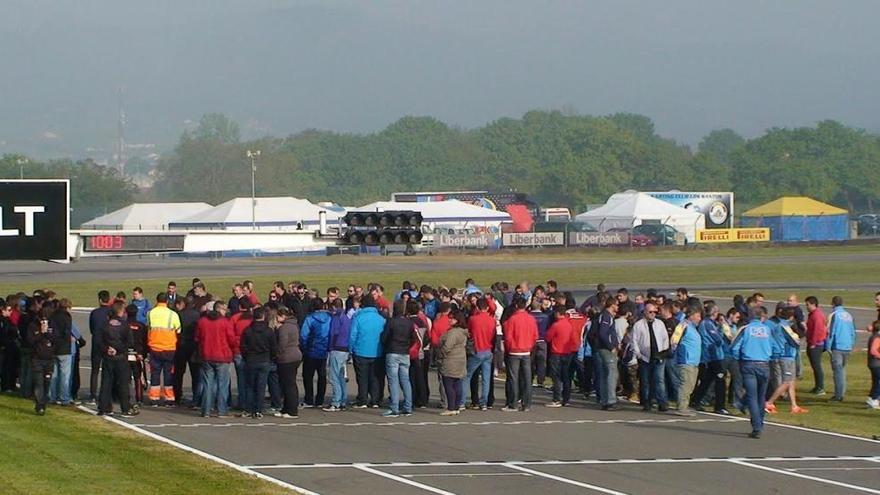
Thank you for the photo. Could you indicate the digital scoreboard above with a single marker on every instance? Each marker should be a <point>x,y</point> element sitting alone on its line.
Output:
<point>117,243</point>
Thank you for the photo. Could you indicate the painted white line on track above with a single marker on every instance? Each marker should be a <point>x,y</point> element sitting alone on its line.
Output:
<point>835,469</point>
<point>801,428</point>
<point>463,475</point>
<point>726,419</point>
<point>400,479</point>
<point>203,454</point>
<point>697,460</point>
<point>564,480</point>
<point>806,477</point>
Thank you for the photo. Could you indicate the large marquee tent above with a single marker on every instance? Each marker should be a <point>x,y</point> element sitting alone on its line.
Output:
<point>281,213</point>
<point>629,209</point>
<point>799,218</point>
<point>145,216</point>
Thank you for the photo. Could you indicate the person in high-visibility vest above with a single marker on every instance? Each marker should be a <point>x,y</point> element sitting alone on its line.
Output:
<point>163,328</point>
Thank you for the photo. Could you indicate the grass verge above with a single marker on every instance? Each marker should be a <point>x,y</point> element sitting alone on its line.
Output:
<point>71,452</point>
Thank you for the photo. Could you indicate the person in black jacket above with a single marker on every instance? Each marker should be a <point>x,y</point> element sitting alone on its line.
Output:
<point>25,376</point>
<point>139,350</point>
<point>8,347</point>
<point>186,355</point>
<point>59,388</point>
<point>114,341</point>
<point>259,348</point>
<point>398,337</point>
<point>97,319</point>
<point>41,338</point>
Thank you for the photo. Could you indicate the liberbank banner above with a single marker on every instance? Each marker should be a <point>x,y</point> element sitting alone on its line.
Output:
<point>466,241</point>
<point>717,207</point>
<point>533,239</point>
<point>598,239</point>
<point>733,235</point>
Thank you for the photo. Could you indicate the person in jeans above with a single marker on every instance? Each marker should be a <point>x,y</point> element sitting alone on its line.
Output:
<point>240,322</point>
<point>753,348</point>
<point>215,338</point>
<point>687,346</point>
<point>817,334</point>
<point>841,338</point>
<point>62,323</point>
<point>397,339</point>
<point>366,348</point>
<point>42,341</point>
<point>418,354</point>
<point>259,348</point>
<point>541,315</point>
<point>563,340</point>
<point>314,340</point>
<point>340,329</point>
<point>651,347</point>
<point>481,329</point>
<point>289,359</point>
<point>451,358</point>
<point>520,335</point>
<point>114,342</point>
<point>606,344</point>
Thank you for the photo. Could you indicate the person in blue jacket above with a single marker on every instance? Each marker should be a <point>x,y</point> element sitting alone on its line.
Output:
<point>841,338</point>
<point>787,343</point>
<point>365,346</point>
<point>753,347</point>
<point>314,340</point>
<point>712,370</point>
<point>141,303</point>
<point>340,328</point>
<point>686,346</point>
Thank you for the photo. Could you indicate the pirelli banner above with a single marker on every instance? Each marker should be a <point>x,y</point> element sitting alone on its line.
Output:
<point>733,235</point>
<point>598,239</point>
<point>533,239</point>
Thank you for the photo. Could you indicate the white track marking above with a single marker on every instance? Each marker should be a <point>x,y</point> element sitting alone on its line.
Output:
<point>203,454</point>
<point>463,475</point>
<point>330,465</point>
<point>564,480</point>
<point>793,427</point>
<point>436,423</point>
<point>835,469</point>
<point>399,479</point>
<point>804,476</point>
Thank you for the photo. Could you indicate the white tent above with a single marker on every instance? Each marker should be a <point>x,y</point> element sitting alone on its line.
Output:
<point>449,212</point>
<point>145,216</point>
<point>282,213</point>
<point>629,209</point>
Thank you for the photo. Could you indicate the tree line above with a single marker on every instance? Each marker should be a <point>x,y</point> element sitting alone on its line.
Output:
<point>558,158</point>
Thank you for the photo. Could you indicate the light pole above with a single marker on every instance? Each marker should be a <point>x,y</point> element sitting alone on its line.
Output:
<point>21,161</point>
<point>253,156</point>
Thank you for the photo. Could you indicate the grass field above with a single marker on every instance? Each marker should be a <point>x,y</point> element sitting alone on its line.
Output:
<point>71,452</point>
<point>851,297</point>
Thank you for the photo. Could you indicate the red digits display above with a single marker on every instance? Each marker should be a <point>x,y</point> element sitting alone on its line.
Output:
<point>107,243</point>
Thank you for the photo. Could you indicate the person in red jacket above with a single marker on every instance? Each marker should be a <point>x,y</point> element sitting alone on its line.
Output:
<point>216,339</point>
<point>440,326</point>
<point>817,334</point>
<point>520,334</point>
<point>563,341</point>
<point>481,329</point>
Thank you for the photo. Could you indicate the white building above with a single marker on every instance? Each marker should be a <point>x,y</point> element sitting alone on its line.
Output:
<point>145,216</point>
<point>270,214</point>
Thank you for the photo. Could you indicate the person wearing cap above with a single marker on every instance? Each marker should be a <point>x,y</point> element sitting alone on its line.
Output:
<point>686,346</point>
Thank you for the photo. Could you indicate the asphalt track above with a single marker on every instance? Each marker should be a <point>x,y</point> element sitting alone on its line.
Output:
<point>578,449</point>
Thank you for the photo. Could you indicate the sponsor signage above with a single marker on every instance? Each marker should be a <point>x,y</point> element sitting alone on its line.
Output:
<point>34,219</point>
<point>475,241</point>
<point>533,239</point>
<point>716,207</point>
<point>598,239</point>
<point>733,235</point>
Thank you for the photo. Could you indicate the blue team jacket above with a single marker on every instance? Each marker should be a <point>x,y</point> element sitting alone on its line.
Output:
<point>366,329</point>
<point>841,330</point>
<point>712,340</point>
<point>754,342</point>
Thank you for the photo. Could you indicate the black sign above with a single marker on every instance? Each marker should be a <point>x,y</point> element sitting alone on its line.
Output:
<point>114,243</point>
<point>34,219</point>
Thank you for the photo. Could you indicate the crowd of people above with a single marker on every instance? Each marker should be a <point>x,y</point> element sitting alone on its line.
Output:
<point>678,354</point>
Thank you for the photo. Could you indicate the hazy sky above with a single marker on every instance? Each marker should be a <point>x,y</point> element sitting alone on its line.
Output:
<point>279,67</point>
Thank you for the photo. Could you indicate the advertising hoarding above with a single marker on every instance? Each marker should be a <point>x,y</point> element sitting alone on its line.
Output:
<point>733,235</point>
<point>34,219</point>
<point>598,239</point>
<point>716,207</point>
<point>533,239</point>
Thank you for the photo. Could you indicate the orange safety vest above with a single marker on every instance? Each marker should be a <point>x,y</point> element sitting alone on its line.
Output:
<point>164,326</point>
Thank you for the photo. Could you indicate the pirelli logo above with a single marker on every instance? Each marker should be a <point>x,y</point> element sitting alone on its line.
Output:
<point>733,235</point>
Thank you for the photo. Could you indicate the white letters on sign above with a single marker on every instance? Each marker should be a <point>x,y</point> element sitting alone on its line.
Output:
<point>28,212</point>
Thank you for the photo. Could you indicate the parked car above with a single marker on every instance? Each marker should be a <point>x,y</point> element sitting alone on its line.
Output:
<point>868,224</point>
<point>662,235</point>
<point>563,227</point>
<point>636,240</point>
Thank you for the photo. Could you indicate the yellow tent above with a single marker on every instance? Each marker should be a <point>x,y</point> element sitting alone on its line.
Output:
<point>794,206</point>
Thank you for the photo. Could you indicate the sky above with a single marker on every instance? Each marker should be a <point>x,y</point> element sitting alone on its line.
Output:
<point>282,66</point>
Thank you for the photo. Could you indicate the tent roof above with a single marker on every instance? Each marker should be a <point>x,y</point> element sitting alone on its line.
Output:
<point>449,210</point>
<point>269,211</point>
<point>794,205</point>
<point>636,205</point>
<point>147,214</point>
